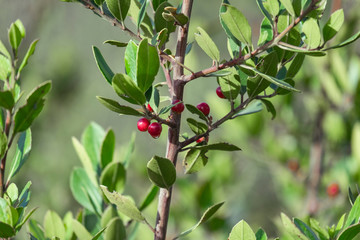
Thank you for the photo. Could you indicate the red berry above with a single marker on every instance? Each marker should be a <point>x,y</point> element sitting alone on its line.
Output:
<point>155,129</point>
<point>204,108</point>
<point>200,140</point>
<point>179,108</point>
<point>333,190</point>
<point>149,108</point>
<point>143,124</point>
<point>220,93</point>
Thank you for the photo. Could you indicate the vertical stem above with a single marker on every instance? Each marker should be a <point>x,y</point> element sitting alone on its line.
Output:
<point>174,132</point>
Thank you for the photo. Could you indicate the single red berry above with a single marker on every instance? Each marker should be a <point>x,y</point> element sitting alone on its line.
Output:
<point>220,93</point>
<point>143,124</point>
<point>149,108</point>
<point>179,108</point>
<point>333,190</point>
<point>200,140</point>
<point>204,108</point>
<point>155,129</point>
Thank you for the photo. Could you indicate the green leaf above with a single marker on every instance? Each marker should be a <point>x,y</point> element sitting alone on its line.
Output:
<point>197,127</point>
<point>196,111</point>
<point>220,73</point>
<point>266,32</point>
<point>108,214</point>
<point>230,86</point>
<point>116,43</point>
<point>237,24</point>
<point>21,27</point>
<point>333,25</point>
<point>130,59</point>
<point>195,159</point>
<point>126,88</point>
<point>15,37</point>
<point>207,44</point>
<point>80,231</point>
<point>5,212</point>
<point>147,65</point>
<point>160,22</point>
<point>84,191</point>
<point>272,6</point>
<point>242,231</point>
<point>12,192</point>
<point>28,54</point>
<point>92,139</point>
<point>271,79</point>
<point>269,107</point>
<point>24,197</point>
<point>24,219</point>
<point>156,3</point>
<point>5,65</point>
<point>305,229</point>
<point>107,148</point>
<point>113,177</point>
<point>291,48</point>
<point>22,152</point>
<point>124,204</point>
<point>102,65</point>
<point>6,231</point>
<point>99,2</point>
<point>150,196</point>
<point>350,233</point>
<point>142,13</point>
<point>288,6</point>
<point>26,114</point>
<point>166,109</point>
<point>35,230</point>
<point>53,225</point>
<point>346,42</point>
<point>264,11</point>
<point>3,143</point>
<point>354,214</point>
<point>315,225</point>
<point>219,146</point>
<point>129,151</point>
<point>115,230</point>
<point>119,8</point>
<point>162,37</point>
<point>161,171</point>
<point>261,235</point>
<point>291,228</point>
<point>253,107</point>
<point>295,66</point>
<point>116,107</point>
<point>206,216</point>
<point>312,32</point>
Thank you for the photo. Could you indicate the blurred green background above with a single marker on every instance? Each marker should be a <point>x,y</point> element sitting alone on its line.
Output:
<point>257,183</point>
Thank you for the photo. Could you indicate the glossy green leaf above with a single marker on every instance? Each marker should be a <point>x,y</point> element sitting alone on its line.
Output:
<point>160,22</point>
<point>102,65</point>
<point>305,229</point>
<point>115,230</point>
<point>195,160</point>
<point>147,65</point>
<point>26,114</point>
<point>225,27</point>
<point>80,231</point>
<point>206,216</point>
<point>333,25</point>
<point>350,233</point>
<point>142,12</point>
<point>196,111</point>
<point>119,8</point>
<point>346,42</point>
<point>253,107</point>
<point>12,192</point>
<point>150,196</point>
<point>261,235</point>
<point>291,228</point>
<point>28,54</point>
<point>15,37</point>
<point>126,87</point>
<point>207,44</point>
<point>116,107</point>
<point>269,107</point>
<point>116,43</point>
<point>295,65</point>
<point>113,177</point>
<point>6,231</point>
<point>53,225</point>
<point>354,214</point>
<point>124,204</point>
<point>130,59</point>
<point>197,127</point>
<point>22,152</point>
<point>312,32</point>
<point>84,191</point>
<point>21,27</point>
<point>24,197</point>
<point>107,148</point>
<point>218,146</point>
<point>288,6</point>
<point>242,231</point>
<point>237,24</point>
<point>272,6</point>
<point>161,172</point>
<point>260,4</point>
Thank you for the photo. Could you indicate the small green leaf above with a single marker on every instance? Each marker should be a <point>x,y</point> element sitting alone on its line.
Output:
<point>3,143</point>
<point>142,13</point>
<point>53,225</point>
<point>269,107</point>
<point>295,66</point>
<point>195,159</point>
<point>166,109</point>
<point>207,44</point>
<point>26,114</point>
<point>116,43</point>
<point>206,216</point>
<point>28,54</point>
<point>160,22</point>
<point>126,88</point>
<point>130,59</point>
<point>12,192</point>
<point>196,111</point>
<point>5,212</point>
<point>15,37</point>
<point>115,230</point>
<point>80,231</point>
<point>197,127</point>
<point>124,204</point>
<point>22,152</point>
<point>150,196</point>
<point>5,65</point>
<point>261,235</point>
<point>313,53</point>
<point>21,27</point>
<point>291,228</point>
<point>107,148</point>
<point>230,86</point>
<point>161,172</point>
<point>264,11</point>
<point>266,32</point>
<point>116,107</point>
<point>220,73</point>
<point>346,42</point>
<point>119,8</point>
<point>312,32</point>
<point>24,197</point>
<point>322,232</point>
<point>147,65</point>
<point>218,146</point>
<point>237,24</point>
<point>242,231</point>
<point>102,65</point>
<point>272,6</point>
<point>162,37</point>
<point>333,25</point>
<point>6,231</point>
<point>288,6</point>
<point>253,107</point>
<point>24,219</point>
<point>305,229</point>
<point>113,177</point>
